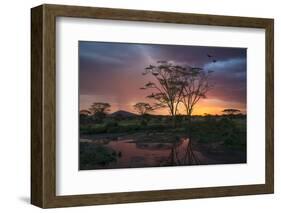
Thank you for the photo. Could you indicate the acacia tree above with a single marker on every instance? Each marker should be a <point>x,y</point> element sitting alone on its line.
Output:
<point>167,86</point>
<point>143,108</point>
<point>174,85</point>
<point>195,87</point>
<point>231,111</point>
<point>99,110</point>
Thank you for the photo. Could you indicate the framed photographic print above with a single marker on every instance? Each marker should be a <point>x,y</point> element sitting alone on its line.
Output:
<point>136,106</point>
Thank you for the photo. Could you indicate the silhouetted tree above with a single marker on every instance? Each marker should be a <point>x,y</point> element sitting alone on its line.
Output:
<point>99,110</point>
<point>167,86</point>
<point>143,108</point>
<point>196,85</point>
<point>231,111</point>
<point>177,84</point>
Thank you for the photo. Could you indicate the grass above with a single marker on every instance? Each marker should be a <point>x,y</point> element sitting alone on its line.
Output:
<point>220,138</point>
<point>94,155</point>
<point>229,131</point>
<point>121,127</point>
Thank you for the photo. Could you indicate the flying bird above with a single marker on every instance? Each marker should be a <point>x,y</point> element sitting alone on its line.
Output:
<point>214,61</point>
<point>209,56</point>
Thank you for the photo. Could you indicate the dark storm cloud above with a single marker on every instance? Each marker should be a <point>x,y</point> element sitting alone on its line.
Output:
<point>194,55</point>
<point>114,70</point>
<point>100,57</point>
<point>229,79</point>
<point>102,65</point>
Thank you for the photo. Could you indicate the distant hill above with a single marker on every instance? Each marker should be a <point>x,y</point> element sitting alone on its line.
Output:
<point>122,113</point>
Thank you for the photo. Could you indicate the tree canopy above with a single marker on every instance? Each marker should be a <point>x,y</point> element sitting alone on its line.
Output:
<point>175,84</point>
<point>231,111</point>
<point>196,86</point>
<point>167,85</point>
<point>100,107</point>
<point>143,108</point>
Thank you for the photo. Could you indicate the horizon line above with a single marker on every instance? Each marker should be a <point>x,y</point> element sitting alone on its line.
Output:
<point>205,114</point>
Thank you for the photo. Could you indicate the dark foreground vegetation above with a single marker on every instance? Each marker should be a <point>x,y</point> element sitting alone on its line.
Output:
<point>222,139</point>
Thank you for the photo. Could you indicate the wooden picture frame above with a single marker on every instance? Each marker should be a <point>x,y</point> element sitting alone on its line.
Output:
<point>43,105</point>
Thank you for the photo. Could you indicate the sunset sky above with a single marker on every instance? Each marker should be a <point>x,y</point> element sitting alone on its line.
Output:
<point>112,73</point>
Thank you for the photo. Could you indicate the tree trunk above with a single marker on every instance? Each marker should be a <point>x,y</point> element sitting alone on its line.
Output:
<point>174,121</point>
<point>191,156</point>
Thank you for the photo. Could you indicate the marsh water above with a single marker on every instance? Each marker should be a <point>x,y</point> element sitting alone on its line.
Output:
<point>144,154</point>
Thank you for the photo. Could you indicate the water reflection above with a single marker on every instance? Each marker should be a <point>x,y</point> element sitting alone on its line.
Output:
<point>141,154</point>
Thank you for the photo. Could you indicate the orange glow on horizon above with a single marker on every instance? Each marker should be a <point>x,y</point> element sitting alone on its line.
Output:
<point>206,106</point>
<point>107,76</point>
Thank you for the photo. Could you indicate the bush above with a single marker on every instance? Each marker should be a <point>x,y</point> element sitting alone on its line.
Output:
<point>92,129</point>
<point>93,155</point>
<point>144,123</point>
<point>113,129</point>
<point>111,123</point>
<point>236,140</point>
<point>131,128</point>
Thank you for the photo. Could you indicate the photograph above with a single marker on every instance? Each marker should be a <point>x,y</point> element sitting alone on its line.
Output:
<point>145,105</point>
<point>157,105</point>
